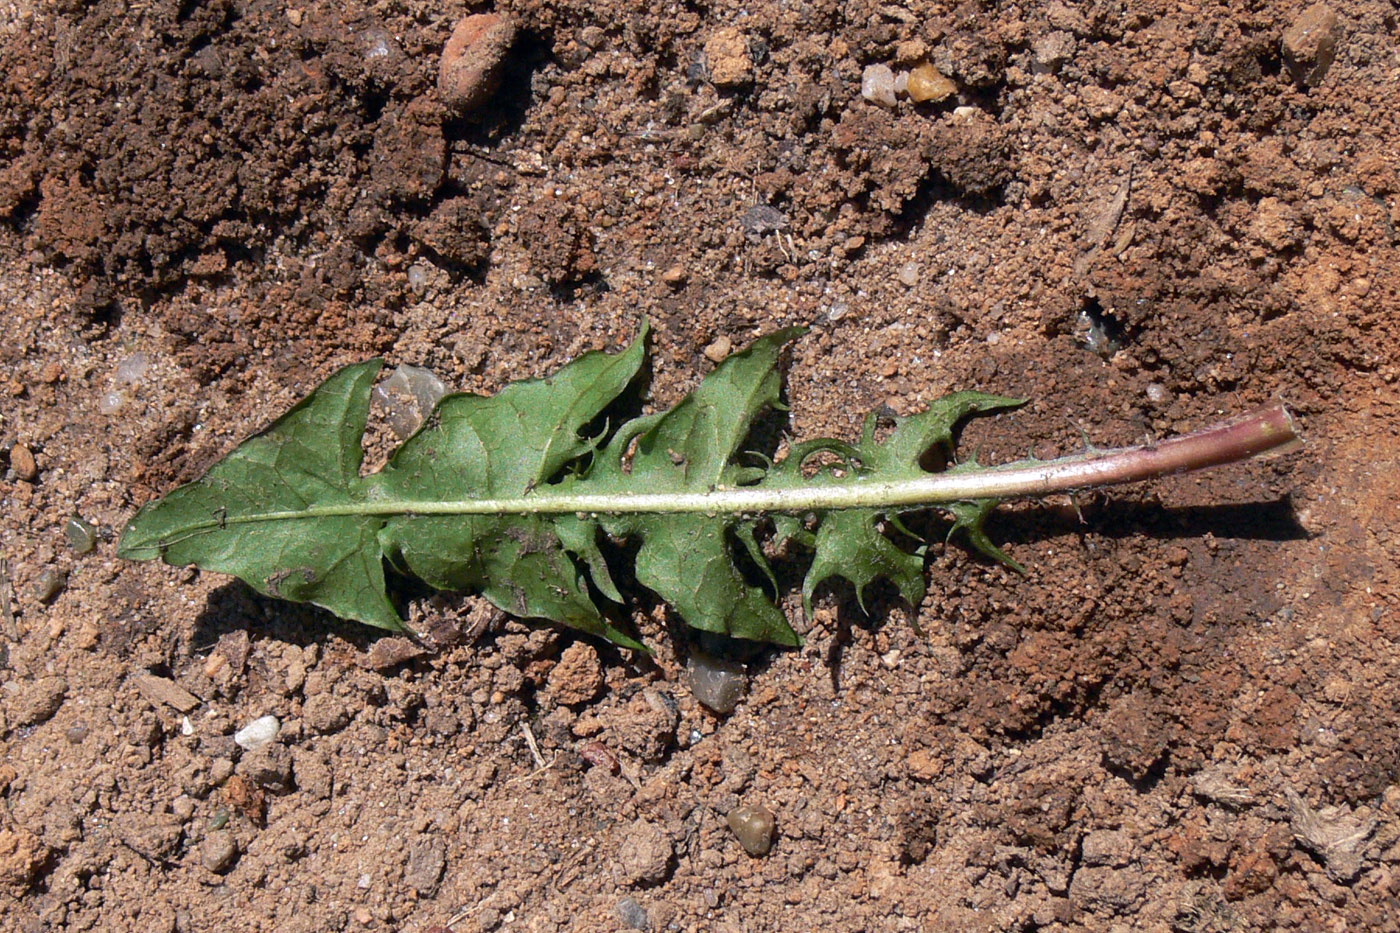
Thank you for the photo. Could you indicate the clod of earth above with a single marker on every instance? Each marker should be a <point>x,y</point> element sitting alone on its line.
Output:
<point>514,496</point>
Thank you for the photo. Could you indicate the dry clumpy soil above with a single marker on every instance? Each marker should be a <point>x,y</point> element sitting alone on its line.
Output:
<point>1138,213</point>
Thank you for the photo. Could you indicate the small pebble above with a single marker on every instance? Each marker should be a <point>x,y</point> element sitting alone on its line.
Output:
<point>761,219</point>
<point>22,462</point>
<point>472,60</point>
<point>877,85</point>
<point>718,683</point>
<point>408,396</point>
<point>269,767</point>
<point>183,807</point>
<point>1051,51</point>
<point>220,771</point>
<point>719,349</point>
<point>132,370</point>
<point>82,536</point>
<point>909,274</point>
<point>50,583</point>
<point>928,85</point>
<point>220,852</point>
<point>632,914</point>
<point>1310,44</point>
<point>1157,393</point>
<point>754,827</point>
<point>111,403</point>
<point>379,44</point>
<point>258,733</point>
<point>675,277</point>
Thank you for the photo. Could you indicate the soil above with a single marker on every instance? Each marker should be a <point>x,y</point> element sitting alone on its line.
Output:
<point>1141,214</point>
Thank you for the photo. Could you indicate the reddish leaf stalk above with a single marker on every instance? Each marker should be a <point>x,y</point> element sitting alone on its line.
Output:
<point>1268,430</point>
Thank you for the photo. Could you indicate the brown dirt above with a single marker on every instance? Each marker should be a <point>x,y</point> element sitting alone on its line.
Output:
<point>1188,715</point>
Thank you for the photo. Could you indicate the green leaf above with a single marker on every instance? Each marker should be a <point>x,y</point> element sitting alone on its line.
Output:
<point>686,559</point>
<point>851,544</point>
<point>309,456</point>
<point>514,495</point>
<point>509,444</point>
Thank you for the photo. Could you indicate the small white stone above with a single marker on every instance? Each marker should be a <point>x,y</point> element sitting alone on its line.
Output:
<point>877,85</point>
<point>111,403</point>
<point>258,733</point>
<point>132,370</point>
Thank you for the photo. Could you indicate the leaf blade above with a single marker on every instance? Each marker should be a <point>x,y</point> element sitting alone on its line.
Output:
<point>334,561</point>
